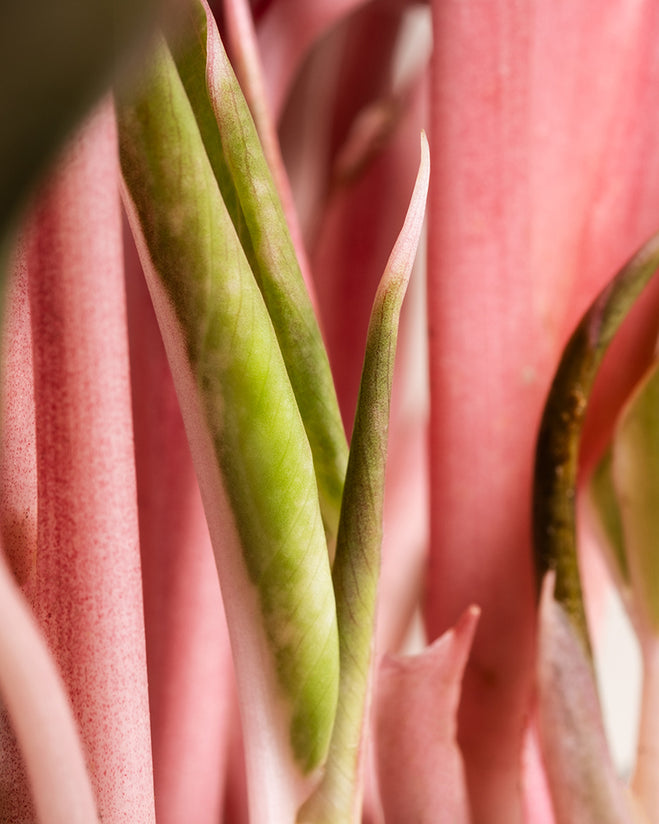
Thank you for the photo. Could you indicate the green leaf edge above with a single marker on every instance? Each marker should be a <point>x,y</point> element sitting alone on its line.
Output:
<point>262,226</point>
<point>557,449</point>
<point>357,564</point>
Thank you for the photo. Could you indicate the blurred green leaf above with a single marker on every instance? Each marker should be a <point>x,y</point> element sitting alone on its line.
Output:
<point>603,496</point>
<point>56,59</point>
<point>636,479</point>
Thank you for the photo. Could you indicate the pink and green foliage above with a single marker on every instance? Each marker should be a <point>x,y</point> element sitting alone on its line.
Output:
<point>219,606</point>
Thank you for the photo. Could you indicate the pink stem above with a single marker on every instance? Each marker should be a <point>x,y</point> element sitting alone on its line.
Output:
<point>41,717</point>
<point>87,593</point>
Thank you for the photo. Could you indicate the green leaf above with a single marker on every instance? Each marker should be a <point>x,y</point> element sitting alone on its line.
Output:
<point>357,563</point>
<point>241,415</point>
<point>636,479</point>
<point>605,502</point>
<point>261,224</point>
<point>557,450</point>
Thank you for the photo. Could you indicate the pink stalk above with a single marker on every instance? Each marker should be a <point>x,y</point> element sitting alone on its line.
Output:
<point>484,394</point>
<point>360,218</point>
<point>536,798</point>
<point>286,32</point>
<point>644,781</point>
<point>18,462</point>
<point>532,105</point>
<point>35,699</point>
<point>187,644</point>
<point>420,769</point>
<point>87,591</point>
<point>580,775</point>
<point>405,538</point>
<point>18,497</point>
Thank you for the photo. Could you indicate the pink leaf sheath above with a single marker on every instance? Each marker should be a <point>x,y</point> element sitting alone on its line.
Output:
<point>583,782</point>
<point>187,644</point>
<point>535,792</point>
<point>41,717</point>
<point>87,591</point>
<point>533,206</point>
<point>420,769</point>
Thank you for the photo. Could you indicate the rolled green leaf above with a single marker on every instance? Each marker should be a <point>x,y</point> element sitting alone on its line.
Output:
<point>357,563</point>
<point>247,438</point>
<point>557,450</point>
<point>233,143</point>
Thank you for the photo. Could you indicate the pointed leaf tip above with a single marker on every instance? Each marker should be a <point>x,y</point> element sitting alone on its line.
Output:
<point>420,769</point>
<point>403,254</point>
<point>357,564</point>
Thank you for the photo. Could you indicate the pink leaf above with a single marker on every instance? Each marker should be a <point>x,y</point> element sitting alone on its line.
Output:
<point>286,31</point>
<point>536,200</point>
<point>87,590</point>
<point>583,783</point>
<point>18,460</point>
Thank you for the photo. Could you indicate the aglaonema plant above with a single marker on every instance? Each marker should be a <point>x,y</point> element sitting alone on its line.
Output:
<point>178,392</point>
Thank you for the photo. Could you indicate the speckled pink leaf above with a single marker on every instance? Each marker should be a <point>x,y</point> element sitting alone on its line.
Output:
<point>420,768</point>
<point>405,538</point>
<point>18,461</point>
<point>87,590</point>
<point>41,716</point>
